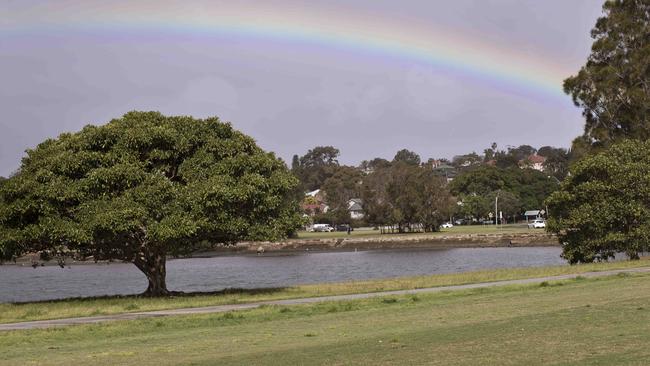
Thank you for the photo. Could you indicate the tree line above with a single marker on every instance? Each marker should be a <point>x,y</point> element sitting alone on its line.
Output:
<point>407,193</point>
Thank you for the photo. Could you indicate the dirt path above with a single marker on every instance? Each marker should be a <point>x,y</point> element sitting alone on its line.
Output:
<point>39,324</point>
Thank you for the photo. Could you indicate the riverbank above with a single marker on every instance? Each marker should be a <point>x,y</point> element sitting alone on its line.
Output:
<point>580,321</point>
<point>457,237</point>
<point>438,240</point>
<point>80,307</point>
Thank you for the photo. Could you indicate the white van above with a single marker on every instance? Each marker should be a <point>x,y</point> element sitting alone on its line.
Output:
<point>323,227</point>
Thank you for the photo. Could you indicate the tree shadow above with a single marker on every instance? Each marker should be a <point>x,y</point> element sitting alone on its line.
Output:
<point>171,295</point>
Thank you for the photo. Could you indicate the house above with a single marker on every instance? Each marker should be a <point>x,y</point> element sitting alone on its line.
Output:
<point>447,171</point>
<point>355,207</point>
<point>533,161</point>
<point>314,203</point>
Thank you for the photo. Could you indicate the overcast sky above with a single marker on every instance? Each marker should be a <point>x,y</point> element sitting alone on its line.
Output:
<point>289,94</point>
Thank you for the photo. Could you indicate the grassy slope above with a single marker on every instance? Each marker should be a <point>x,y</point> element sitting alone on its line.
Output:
<point>89,307</point>
<point>579,322</point>
<point>456,230</point>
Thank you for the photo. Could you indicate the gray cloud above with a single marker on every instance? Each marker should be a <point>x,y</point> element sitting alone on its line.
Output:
<point>292,97</point>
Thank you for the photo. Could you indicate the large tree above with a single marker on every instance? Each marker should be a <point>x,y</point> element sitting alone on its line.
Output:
<point>530,187</point>
<point>404,194</point>
<point>344,185</point>
<point>613,87</point>
<point>407,156</point>
<point>315,166</point>
<point>603,206</point>
<point>143,187</point>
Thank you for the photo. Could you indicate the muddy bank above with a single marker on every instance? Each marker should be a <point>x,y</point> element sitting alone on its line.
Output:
<point>393,242</point>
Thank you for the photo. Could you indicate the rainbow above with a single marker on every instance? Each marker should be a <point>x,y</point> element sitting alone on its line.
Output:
<point>328,27</point>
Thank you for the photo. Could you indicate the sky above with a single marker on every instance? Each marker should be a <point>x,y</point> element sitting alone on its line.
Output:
<point>369,77</point>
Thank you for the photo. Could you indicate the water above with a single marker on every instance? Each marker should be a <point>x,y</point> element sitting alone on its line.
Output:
<point>270,270</point>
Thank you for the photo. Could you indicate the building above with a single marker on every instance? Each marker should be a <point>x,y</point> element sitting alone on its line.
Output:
<point>314,203</point>
<point>447,171</point>
<point>534,162</point>
<point>355,207</point>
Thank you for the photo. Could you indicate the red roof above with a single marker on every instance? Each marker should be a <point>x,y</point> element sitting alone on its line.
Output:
<point>536,159</point>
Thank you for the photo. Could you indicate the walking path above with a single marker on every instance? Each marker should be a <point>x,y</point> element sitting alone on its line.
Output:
<point>224,308</point>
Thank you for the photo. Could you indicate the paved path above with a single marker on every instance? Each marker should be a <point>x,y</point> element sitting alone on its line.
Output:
<point>310,300</point>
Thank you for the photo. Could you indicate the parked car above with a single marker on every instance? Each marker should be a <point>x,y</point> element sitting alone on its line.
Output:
<point>538,224</point>
<point>323,228</point>
<point>460,222</point>
<point>343,227</point>
<point>446,225</point>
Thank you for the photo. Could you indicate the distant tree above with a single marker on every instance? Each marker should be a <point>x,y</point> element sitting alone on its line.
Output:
<point>522,152</point>
<point>433,202</point>
<point>613,87</point>
<point>143,187</point>
<point>467,160</point>
<point>316,166</point>
<point>405,194</point>
<point>295,164</point>
<point>530,186</point>
<point>508,203</point>
<point>407,156</point>
<point>475,206</point>
<point>489,153</point>
<point>547,151</point>
<point>342,186</point>
<point>371,165</point>
<point>602,207</point>
<point>479,181</point>
<point>507,160</point>
<point>376,204</point>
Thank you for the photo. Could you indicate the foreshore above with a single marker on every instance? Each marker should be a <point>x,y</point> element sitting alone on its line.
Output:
<point>392,241</point>
<point>352,243</point>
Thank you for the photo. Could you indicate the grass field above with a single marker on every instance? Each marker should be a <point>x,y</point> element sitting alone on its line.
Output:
<point>577,322</point>
<point>464,229</point>
<point>115,305</point>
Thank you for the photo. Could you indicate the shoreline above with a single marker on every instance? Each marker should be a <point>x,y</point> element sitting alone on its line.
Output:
<point>382,242</point>
<point>389,241</point>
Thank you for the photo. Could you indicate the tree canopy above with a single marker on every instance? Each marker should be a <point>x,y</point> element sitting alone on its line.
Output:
<point>613,87</point>
<point>313,168</point>
<point>527,188</point>
<point>602,206</point>
<point>142,187</point>
<point>407,156</point>
<point>404,194</point>
<point>339,189</point>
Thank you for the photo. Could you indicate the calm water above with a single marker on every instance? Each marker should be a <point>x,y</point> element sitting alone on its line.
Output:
<point>210,274</point>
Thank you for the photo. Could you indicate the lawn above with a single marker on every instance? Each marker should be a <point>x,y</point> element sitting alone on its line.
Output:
<point>456,230</point>
<point>577,322</point>
<point>115,305</point>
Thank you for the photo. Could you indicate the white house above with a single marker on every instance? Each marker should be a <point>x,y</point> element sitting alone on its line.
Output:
<point>355,208</point>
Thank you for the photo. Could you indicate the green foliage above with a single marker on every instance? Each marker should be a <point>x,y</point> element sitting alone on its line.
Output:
<point>313,168</point>
<point>407,156</point>
<point>526,189</point>
<point>613,87</point>
<point>145,186</point>
<point>404,194</point>
<point>340,188</point>
<point>602,207</point>
<point>557,161</point>
<point>467,160</point>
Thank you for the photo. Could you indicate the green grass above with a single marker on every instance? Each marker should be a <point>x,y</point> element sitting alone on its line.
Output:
<point>456,230</point>
<point>577,322</point>
<point>114,305</point>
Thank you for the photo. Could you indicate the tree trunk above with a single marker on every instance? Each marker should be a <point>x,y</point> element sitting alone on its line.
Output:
<point>153,265</point>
